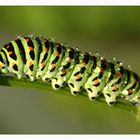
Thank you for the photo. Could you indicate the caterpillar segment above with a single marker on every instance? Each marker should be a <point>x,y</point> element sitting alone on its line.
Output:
<point>66,67</point>
<point>115,83</point>
<point>98,78</point>
<point>54,62</point>
<point>131,91</point>
<point>80,73</point>
<point>14,60</point>
<point>45,59</point>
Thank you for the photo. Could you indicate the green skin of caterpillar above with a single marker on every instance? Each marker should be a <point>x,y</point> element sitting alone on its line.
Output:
<point>94,91</point>
<point>18,62</point>
<point>27,71</point>
<point>58,79</point>
<point>40,73</point>
<point>110,95</point>
<point>47,74</point>
<point>135,97</point>
<point>86,76</point>
<point>75,79</point>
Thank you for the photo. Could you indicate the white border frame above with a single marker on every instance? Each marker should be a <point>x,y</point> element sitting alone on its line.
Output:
<point>71,2</point>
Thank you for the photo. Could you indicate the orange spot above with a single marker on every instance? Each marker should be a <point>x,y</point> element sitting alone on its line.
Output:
<point>84,64</point>
<point>115,88</point>
<point>42,64</point>
<point>31,48</point>
<point>120,75</point>
<point>57,53</point>
<point>27,39</point>
<point>8,47</point>
<point>13,63</point>
<point>130,91</point>
<point>63,71</point>
<point>78,76</point>
<point>1,65</point>
<point>53,66</point>
<point>101,70</point>
<point>135,81</point>
<point>46,50</point>
<point>58,45</point>
<point>95,82</point>
<point>69,59</point>
<point>10,52</point>
<point>30,63</point>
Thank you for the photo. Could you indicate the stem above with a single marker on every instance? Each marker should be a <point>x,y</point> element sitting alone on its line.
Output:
<point>38,84</point>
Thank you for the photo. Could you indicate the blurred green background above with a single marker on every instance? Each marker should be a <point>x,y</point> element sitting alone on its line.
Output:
<point>111,31</point>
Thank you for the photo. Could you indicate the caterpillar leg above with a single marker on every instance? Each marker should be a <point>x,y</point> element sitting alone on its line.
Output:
<point>57,83</point>
<point>110,97</point>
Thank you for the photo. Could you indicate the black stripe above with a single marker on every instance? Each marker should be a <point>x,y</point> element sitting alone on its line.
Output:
<point>135,83</point>
<point>82,70</point>
<point>86,58</point>
<point>119,81</point>
<point>77,61</point>
<point>112,72</point>
<point>101,75</point>
<point>103,64</point>
<point>121,70</point>
<point>15,67</point>
<point>31,67</point>
<point>1,59</point>
<point>39,47</point>
<point>52,46</point>
<point>45,57</point>
<point>79,79</point>
<point>94,62</point>
<point>59,48</point>
<point>71,53</point>
<point>67,65</point>
<point>128,77</point>
<point>77,73</point>
<point>7,61</point>
<point>22,50</point>
<point>31,44</point>
<point>55,60</point>
<point>11,49</point>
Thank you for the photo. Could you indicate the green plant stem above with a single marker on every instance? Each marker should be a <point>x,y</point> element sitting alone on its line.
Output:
<point>40,85</point>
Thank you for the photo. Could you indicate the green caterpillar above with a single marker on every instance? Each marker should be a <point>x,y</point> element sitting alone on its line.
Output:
<point>41,58</point>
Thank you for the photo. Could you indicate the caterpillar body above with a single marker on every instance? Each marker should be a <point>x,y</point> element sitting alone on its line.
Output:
<point>41,58</point>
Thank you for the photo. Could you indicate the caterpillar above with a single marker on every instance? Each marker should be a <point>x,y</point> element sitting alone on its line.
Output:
<point>41,58</point>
